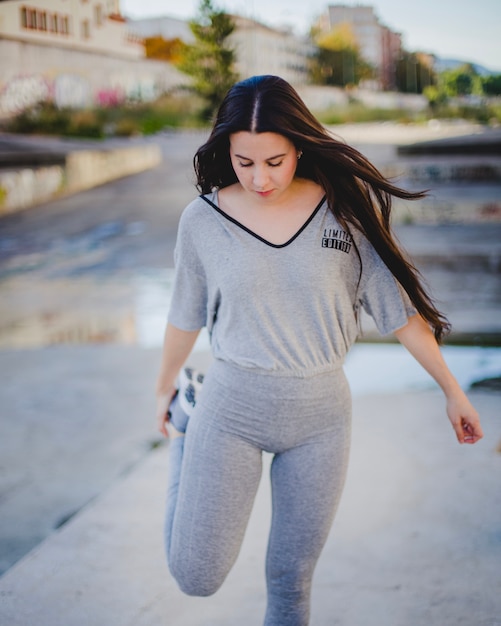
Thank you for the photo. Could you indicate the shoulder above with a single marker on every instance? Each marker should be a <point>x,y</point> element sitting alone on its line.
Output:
<point>196,213</point>
<point>198,206</point>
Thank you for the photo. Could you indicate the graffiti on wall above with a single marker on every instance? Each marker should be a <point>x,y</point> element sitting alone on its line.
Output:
<point>23,92</point>
<point>134,87</point>
<point>71,90</point>
<point>74,91</point>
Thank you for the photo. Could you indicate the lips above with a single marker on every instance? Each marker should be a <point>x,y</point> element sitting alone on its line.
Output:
<point>264,194</point>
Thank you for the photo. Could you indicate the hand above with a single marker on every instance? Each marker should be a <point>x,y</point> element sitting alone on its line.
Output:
<point>163,403</point>
<point>464,418</point>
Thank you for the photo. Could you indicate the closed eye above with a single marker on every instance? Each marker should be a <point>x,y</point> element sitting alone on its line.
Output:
<point>270,164</point>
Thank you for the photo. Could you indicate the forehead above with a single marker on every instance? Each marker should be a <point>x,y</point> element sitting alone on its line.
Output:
<point>259,145</point>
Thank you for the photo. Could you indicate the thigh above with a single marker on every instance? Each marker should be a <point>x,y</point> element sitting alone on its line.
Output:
<point>307,482</point>
<point>219,479</point>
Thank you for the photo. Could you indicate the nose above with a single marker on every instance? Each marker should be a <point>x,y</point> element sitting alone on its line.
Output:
<point>260,177</point>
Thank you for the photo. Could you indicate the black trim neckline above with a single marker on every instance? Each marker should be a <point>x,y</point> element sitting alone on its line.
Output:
<point>251,232</point>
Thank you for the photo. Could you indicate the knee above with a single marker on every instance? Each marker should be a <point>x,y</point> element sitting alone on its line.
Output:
<point>195,581</point>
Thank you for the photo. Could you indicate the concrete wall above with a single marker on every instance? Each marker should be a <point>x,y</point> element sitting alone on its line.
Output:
<point>320,98</point>
<point>31,72</point>
<point>84,169</point>
<point>26,187</point>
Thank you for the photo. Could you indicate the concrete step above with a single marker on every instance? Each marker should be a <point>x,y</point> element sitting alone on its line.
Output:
<point>34,171</point>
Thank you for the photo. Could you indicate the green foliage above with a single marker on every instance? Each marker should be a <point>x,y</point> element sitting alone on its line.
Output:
<point>337,60</point>
<point>121,121</point>
<point>356,112</point>
<point>491,85</point>
<point>46,118</point>
<point>412,74</point>
<point>461,81</point>
<point>339,67</point>
<point>210,60</point>
<point>483,113</point>
<point>435,96</point>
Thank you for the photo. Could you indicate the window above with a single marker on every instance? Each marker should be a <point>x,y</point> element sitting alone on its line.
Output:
<point>29,18</point>
<point>85,29</point>
<point>64,25</point>
<point>98,14</point>
<point>45,22</point>
<point>53,23</point>
<point>42,20</point>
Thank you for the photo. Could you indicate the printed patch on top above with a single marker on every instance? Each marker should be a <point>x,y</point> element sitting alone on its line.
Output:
<point>337,239</point>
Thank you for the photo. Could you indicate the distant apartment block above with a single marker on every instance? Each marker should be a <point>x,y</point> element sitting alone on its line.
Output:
<point>379,45</point>
<point>76,53</point>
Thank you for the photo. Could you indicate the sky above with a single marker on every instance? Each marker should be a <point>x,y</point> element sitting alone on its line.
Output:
<point>459,29</point>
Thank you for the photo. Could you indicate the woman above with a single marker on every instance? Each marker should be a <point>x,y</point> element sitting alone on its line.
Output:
<point>290,237</point>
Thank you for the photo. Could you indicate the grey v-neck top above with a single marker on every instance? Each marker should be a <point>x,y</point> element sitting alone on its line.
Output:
<point>288,309</point>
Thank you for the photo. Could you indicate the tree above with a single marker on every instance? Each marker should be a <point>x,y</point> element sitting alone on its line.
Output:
<point>413,74</point>
<point>436,97</point>
<point>491,85</point>
<point>210,60</point>
<point>170,50</point>
<point>460,81</point>
<point>337,60</point>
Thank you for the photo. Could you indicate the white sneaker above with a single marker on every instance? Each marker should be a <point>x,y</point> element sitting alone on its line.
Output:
<point>189,384</point>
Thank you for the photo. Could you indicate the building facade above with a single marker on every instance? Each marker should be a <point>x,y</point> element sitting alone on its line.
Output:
<point>76,53</point>
<point>379,45</point>
<point>259,49</point>
<point>85,25</point>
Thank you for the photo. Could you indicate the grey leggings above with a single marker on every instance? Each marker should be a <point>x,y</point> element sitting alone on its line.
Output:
<point>215,471</point>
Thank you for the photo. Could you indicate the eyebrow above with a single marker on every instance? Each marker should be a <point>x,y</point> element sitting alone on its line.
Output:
<point>277,156</point>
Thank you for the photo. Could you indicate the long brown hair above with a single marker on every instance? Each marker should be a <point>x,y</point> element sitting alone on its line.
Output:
<point>357,193</point>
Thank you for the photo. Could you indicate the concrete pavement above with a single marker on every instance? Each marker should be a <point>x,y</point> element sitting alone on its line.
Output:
<point>420,516</point>
<point>416,539</point>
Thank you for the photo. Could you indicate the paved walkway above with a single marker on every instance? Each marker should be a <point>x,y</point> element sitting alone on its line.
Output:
<point>416,540</point>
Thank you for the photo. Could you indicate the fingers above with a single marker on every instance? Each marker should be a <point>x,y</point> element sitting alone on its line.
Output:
<point>468,432</point>
<point>162,419</point>
<point>472,432</point>
<point>464,418</point>
<point>162,427</point>
<point>163,403</point>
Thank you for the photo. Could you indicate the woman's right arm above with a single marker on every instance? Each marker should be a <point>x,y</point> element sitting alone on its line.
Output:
<point>178,345</point>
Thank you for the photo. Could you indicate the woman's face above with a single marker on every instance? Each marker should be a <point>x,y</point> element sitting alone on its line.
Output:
<point>265,163</point>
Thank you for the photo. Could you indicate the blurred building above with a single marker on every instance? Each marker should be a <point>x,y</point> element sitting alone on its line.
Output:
<point>259,49</point>
<point>161,26</point>
<point>379,45</point>
<point>75,52</point>
<point>91,25</point>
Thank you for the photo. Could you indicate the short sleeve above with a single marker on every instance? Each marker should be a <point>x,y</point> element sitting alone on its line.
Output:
<point>383,297</point>
<point>188,309</point>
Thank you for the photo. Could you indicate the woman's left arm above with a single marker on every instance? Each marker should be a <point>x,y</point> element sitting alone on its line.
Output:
<point>416,336</point>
